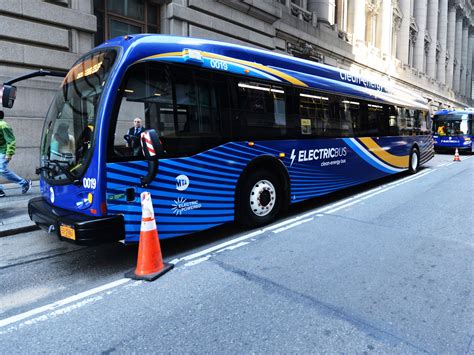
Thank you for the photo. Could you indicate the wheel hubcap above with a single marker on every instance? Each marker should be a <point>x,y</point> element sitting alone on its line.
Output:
<point>262,198</point>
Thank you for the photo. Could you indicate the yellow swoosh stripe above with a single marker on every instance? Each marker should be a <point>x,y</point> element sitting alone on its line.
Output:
<point>261,67</point>
<point>163,55</point>
<point>394,160</point>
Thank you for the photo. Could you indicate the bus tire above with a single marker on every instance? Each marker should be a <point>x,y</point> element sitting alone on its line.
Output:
<point>260,199</point>
<point>414,163</point>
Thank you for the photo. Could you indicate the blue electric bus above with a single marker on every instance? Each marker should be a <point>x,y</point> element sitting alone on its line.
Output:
<point>243,133</point>
<point>453,129</point>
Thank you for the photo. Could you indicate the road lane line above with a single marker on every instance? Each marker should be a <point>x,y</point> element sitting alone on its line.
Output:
<point>216,247</point>
<point>376,193</point>
<point>53,306</point>
<point>279,230</point>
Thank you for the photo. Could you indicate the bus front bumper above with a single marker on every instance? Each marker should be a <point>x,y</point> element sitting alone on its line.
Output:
<point>75,227</point>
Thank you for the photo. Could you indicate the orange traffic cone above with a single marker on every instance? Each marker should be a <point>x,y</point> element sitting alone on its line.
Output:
<point>150,264</point>
<point>456,156</point>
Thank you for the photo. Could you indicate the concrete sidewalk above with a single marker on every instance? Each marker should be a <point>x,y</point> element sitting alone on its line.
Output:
<point>14,209</point>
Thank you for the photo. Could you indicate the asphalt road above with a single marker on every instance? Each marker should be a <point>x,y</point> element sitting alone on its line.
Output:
<point>386,267</point>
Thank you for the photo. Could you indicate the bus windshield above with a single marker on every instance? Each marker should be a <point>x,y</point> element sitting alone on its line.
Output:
<point>68,134</point>
<point>451,125</point>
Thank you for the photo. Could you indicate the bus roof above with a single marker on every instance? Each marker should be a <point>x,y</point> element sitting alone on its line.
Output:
<point>265,64</point>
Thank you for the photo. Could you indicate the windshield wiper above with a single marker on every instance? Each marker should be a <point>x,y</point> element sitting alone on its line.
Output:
<point>59,165</point>
<point>71,176</point>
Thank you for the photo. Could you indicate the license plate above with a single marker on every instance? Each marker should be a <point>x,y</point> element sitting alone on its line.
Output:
<point>67,232</point>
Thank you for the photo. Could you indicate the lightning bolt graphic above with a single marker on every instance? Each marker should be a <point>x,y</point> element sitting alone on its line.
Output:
<point>292,157</point>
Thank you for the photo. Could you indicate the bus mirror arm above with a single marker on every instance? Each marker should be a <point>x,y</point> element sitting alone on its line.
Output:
<point>150,176</point>
<point>8,90</point>
<point>152,149</point>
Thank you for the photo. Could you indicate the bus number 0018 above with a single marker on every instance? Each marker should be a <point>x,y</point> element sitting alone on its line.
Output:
<point>218,64</point>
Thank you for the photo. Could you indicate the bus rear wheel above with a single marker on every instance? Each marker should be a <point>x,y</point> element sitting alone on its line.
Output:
<point>414,163</point>
<point>260,199</point>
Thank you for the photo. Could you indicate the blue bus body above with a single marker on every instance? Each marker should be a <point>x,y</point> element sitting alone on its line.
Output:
<point>98,205</point>
<point>453,129</point>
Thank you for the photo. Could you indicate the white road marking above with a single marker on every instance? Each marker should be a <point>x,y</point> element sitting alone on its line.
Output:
<point>196,258</point>
<point>234,246</point>
<point>292,225</point>
<point>55,305</point>
<point>216,247</point>
<point>389,187</point>
<point>56,313</point>
<point>197,261</point>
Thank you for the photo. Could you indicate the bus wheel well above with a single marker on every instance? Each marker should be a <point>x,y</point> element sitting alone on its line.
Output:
<point>272,165</point>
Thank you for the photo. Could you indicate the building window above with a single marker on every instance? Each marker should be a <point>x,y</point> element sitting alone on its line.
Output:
<point>372,9</point>
<point>120,17</point>
<point>438,54</point>
<point>341,15</point>
<point>396,24</point>
<point>425,57</point>
<point>412,40</point>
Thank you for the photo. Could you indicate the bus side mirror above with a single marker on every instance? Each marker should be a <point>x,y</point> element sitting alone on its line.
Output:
<point>8,96</point>
<point>152,149</point>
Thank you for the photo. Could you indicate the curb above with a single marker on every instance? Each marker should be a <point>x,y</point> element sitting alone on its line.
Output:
<point>18,230</point>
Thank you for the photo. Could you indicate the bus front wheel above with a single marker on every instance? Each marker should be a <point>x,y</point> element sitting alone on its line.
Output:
<point>260,199</point>
<point>414,163</point>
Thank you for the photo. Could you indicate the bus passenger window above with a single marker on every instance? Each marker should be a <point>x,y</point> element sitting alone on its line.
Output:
<point>196,105</point>
<point>315,108</point>
<point>350,117</point>
<point>392,121</point>
<point>145,92</point>
<point>263,107</point>
<point>402,121</point>
<point>181,104</point>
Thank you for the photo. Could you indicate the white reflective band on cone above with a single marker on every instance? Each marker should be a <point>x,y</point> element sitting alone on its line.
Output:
<point>148,226</point>
<point>147,206</point>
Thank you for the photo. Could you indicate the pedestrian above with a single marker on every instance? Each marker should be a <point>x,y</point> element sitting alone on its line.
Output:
<point>7,150</point>
<point>133,136</point>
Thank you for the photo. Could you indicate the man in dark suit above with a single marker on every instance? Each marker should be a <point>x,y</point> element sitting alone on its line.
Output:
<point>133,136</point>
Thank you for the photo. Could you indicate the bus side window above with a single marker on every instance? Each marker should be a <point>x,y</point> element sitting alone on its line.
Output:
<point>314,112</point>
<point>416,122</point>
<point>471,125</point>
<point>198,118</point>
<point>393,129</point>
<point>350,116</point>
<point>146,94</point>
<point>263,109</point>
<point>401,121</point>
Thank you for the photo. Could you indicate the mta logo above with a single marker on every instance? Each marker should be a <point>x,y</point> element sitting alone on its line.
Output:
<point>182,182</point>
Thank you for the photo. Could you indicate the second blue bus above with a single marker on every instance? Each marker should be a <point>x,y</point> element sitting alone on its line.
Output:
<point>453,129</point>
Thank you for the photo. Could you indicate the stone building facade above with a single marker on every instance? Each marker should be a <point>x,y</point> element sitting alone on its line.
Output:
<point>426,46</point>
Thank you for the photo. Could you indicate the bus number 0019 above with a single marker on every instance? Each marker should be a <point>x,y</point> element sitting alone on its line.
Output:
<point>218,64</point>
<point>89,183</point>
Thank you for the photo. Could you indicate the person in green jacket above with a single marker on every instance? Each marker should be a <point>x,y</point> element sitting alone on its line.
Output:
<point>7,150</point>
